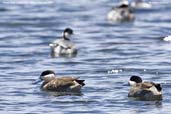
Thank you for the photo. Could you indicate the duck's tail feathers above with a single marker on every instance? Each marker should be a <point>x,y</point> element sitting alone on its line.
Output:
<point>81,82</point>
<point>158,86</point>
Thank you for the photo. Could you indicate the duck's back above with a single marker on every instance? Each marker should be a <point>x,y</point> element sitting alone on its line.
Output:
<point>64,43</point>
<point>63,46</point>
<point>62,84</point>
<point>121,14</point>
<point>144,91</point>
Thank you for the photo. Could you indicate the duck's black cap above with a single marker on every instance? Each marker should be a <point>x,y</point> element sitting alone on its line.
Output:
<point>46,72</point>
<point>68,30</point>
<point>123,6</point>
<point>136,79</point>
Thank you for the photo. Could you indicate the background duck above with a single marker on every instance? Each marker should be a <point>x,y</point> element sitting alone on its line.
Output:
<point>121,13</point>
<point>140,4</point>
<point>60,84</point>
<point>144,90</point>
<point>63,46</point>
<point>167,38</point>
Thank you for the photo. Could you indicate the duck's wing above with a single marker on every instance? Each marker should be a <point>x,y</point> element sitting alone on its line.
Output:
<point>139,90</point>
<point>62,84</point>
<point>55,43</point>
<point>76,79</point>
<point>153,87</point>
<point>68,78</point>
<point>58,85</point>
<point>66,44</point>
<point>147,85</point>
<point>58,42</point>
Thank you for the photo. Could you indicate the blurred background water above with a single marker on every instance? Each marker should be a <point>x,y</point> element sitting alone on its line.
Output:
<point>108,55</point>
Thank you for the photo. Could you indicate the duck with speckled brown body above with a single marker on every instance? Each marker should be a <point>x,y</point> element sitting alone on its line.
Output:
<point>144,90</point>
<point>60,84</point>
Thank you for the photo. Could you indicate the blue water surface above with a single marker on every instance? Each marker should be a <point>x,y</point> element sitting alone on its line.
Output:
<point>109,53</point>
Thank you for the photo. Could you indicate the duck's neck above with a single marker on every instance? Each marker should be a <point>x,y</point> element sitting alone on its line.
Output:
<point>66,36</point>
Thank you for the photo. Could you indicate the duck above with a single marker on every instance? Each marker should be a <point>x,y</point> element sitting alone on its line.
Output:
<point>59,84</point>
<point>144,90</point>
<point>140,4</point>
<point>121,13</point>
<point>63,46</point>
<point>167,38</point>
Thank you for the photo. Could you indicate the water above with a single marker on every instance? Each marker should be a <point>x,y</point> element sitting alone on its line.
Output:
<point>108,55</point>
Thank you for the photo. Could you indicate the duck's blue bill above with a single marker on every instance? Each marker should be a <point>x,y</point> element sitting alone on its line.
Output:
<point>37,81</point>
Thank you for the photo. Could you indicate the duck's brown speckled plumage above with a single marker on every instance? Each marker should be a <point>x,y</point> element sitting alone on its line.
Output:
<point>63,84</point>
<point>60,84</point>
<point>146,91</point>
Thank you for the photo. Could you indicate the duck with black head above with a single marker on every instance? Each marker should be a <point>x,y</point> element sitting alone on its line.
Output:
<point>63,46</point>
<point>144,90</point>
<point>121,13</point>
<point>59,84</point>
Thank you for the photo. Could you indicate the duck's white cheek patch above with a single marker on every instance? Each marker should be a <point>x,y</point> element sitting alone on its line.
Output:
<point>49,75</point>
<point>67,34</point>
<point>132,83</point>
<point>51,45</point>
